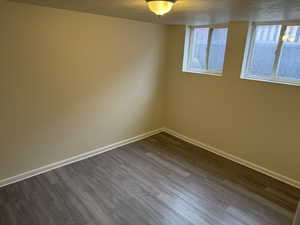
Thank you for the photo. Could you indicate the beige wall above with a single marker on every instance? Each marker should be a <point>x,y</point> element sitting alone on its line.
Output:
<point>72,82</point>
<point>255,121</point>
<point>2,2</point>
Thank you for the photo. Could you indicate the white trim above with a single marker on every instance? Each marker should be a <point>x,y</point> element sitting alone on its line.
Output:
<point>248,56</point>
<point>236,159</point>
<point>214,73</point>
<point>100,150</point>
<point>271,80</point>
<point>297,216</point>
<point>76,158</point>
<point>189,50</point>
<point>248,53</point>
<point>186,53</point>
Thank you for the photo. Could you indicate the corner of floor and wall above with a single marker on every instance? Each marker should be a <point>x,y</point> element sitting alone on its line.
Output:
<point>251,122</point>
<point>72,83</point>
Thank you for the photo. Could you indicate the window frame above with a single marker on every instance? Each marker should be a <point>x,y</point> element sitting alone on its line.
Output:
<point>249,50</point>
<point>188,51</point>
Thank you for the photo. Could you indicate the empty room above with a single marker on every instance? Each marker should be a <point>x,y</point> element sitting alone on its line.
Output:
<point>149,112</point>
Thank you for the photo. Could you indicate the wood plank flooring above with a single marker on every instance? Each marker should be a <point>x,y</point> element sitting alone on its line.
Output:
<point>157,181</point>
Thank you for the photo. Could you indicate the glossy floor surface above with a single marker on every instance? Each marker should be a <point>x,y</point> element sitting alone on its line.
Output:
<point>159,180</point>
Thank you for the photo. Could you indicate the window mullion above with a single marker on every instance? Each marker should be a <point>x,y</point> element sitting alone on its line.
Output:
<point>249,61</point>
<point>191,49</point>
<point>208,47</point>
<point>278,51</point>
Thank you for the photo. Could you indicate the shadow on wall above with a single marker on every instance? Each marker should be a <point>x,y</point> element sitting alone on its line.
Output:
<point>71,82</point>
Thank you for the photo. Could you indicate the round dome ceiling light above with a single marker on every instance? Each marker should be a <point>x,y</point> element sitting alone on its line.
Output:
<point>160,7</point>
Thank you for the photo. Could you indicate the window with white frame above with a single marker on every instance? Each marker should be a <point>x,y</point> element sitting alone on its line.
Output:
<point>205,49</point>
<point>273,53</point>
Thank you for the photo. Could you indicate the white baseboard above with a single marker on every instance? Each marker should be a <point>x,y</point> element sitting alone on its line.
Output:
<point>77,158</point>
<point>89,154</point>
<point>236,159</point>
<point>297,216</point>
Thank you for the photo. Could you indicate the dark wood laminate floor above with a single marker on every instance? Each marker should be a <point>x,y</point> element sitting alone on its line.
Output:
<point>160,180</point>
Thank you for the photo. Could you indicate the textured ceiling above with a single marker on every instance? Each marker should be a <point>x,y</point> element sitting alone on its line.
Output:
<point>185,11</point>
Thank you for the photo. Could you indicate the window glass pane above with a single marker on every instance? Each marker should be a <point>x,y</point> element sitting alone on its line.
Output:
<point>265,45</point>
<point>198,57</point>
<point>217,49</point>
<point>289,65</point>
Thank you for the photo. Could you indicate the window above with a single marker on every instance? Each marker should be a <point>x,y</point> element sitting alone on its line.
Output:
<point>273,53</point>
<point>205,49</point>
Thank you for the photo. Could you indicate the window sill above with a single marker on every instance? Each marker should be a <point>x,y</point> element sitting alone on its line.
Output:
<point>261,79</point>
<point>203,73</point>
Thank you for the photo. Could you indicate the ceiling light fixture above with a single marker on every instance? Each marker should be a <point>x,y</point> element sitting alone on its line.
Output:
<point>160,7</point>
